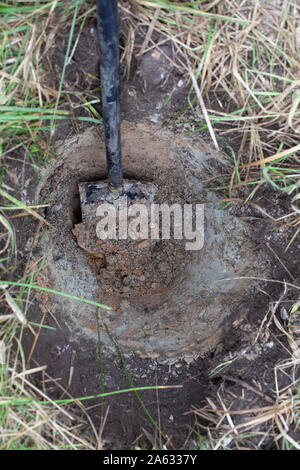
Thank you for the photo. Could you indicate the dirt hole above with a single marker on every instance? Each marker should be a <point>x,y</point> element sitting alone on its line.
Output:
<point>166,301</point>
<point>76,210</point>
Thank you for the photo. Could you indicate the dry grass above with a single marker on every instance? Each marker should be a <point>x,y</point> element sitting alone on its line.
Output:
<point>247,54</point>
<point>242,61</point>
<point>29,419</point>
<point>249,417</point>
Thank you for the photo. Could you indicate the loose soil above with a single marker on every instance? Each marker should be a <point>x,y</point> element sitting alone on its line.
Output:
<point>148,349</point>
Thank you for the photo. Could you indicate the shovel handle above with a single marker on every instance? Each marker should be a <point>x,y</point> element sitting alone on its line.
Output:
<point>107,15</point>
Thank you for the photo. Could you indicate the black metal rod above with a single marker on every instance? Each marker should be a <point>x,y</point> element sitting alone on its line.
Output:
<point>110,83</point>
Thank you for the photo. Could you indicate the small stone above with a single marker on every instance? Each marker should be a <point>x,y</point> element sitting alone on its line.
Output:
<point>143,244</point>
<point>283,313</point>
<point>125,305</point>
<point>269,345</point>
<point>125,289</point>
<point>126,281</point>
<point>138,272</point>
<point>163,267</point>
<point>188,359</point>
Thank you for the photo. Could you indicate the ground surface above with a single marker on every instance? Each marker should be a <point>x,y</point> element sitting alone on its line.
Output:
<point>126,421</point>
<point>231,370</point>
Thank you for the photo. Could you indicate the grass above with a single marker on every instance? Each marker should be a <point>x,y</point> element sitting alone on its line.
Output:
<point>275,423</point>
<point>241,60</point>
<point>28,108</point>
<point>250,63</point>
<point>245,73</point>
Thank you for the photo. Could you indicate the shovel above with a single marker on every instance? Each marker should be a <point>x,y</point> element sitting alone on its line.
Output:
<point>114,190</point>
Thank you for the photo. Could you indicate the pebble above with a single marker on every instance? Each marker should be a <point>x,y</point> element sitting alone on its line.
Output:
<point>283,313</point>
<point>143,244</point>
<point>112,258</point>
<point>126,280</point>
<point>125,289</point>
<point>163,267</point>
<point>125,305</point>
